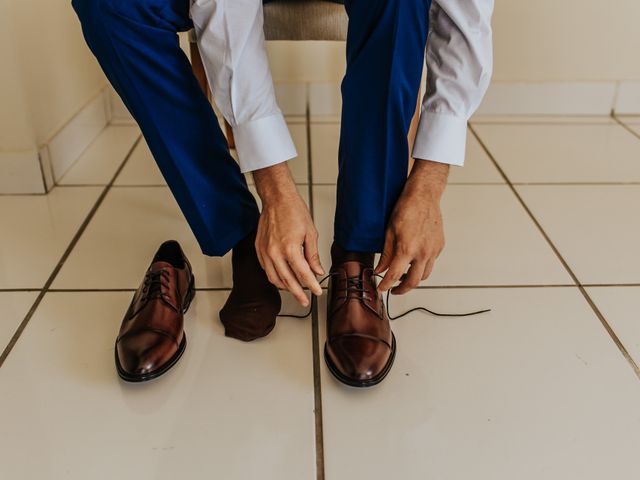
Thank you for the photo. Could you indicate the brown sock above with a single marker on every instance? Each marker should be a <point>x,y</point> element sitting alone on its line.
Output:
<point>340,255</point>
<point>253,304</point>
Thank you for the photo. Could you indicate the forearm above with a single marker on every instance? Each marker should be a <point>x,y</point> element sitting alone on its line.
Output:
<point>231,41</point>
<point>459,62</point>
<point>274,183</point>
<point>428,179</point>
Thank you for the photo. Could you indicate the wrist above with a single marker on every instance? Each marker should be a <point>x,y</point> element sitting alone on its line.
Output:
<point>274,183</point>
<point>428,179</point>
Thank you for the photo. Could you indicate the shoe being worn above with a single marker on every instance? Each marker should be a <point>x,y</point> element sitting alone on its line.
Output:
<point>360,346</point>
<point>151,338</point>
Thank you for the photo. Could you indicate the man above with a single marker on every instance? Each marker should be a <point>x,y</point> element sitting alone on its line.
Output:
<point>378,208</point>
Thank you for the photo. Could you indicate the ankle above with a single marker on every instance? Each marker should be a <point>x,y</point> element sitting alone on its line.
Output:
<point>340,255</point>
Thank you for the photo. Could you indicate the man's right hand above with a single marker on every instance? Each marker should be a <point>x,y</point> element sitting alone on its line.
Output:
<point>287,240</point>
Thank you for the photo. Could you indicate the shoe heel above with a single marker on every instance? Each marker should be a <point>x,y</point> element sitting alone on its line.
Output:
<point>191,292</point>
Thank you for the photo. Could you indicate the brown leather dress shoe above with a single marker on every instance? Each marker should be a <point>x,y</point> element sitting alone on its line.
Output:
<point>151,338</point>
<point>360,346</point>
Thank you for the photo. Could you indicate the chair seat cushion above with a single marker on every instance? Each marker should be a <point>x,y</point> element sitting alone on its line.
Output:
<point>305,20</point>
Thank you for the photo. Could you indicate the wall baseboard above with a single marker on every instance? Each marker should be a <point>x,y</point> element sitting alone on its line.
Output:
<point>38,170</point>
<point>119,114</point>
<point>552,98</point>
<point>66,146</point>
<point>628,99</point>
<point>549,99</point>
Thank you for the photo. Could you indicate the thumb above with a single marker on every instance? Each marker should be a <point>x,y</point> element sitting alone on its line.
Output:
<point>387,255</point>
<point>311,254</point>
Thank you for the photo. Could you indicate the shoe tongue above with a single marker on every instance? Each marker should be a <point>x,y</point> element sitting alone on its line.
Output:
<point>159,266</point>
<point>352,268</point>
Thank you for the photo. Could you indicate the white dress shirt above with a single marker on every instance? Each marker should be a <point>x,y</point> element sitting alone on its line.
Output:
<point>458,56</point>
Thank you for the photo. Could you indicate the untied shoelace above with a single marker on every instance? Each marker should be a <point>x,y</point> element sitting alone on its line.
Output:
<point>354,284</point>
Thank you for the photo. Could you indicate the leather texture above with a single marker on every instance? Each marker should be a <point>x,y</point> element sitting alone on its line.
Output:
<point>151,337</point>
<point>360,345</point>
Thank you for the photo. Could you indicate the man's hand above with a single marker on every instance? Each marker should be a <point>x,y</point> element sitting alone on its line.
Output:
<point>414,236</point>
<point>287,240</point>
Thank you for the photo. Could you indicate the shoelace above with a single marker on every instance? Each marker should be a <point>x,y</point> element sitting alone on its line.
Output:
<point>354,284</point>
<point>153,283</point>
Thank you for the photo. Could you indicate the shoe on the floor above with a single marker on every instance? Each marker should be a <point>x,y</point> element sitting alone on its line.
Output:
<point>151,338</point>
<point>254,303</point>
<point>360,345</point>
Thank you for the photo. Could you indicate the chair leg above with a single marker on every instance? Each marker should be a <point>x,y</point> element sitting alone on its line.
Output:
<point>200,74</point>
<point>230,138</point>
<point>413,128</point>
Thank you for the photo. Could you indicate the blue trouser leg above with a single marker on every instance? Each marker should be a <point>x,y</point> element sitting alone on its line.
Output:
<point>137,46</point>
<point>385,53</point>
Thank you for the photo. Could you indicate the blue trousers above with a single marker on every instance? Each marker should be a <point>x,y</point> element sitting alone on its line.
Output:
<point>136,44</point>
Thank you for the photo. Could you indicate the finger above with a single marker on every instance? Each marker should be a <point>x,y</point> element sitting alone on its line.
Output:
<point>260,257</point>
<point>428,268</point>
<point>312,255</point>
<point>272,275</point>
<point>411,279</point>
<point>396,269</point>
<point>290,281</point>
<point>303,271</point>
<point>387,254</point>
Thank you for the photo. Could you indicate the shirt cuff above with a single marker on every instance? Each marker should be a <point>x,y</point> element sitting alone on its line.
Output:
<point>441,138</point>
<point>263,142</point>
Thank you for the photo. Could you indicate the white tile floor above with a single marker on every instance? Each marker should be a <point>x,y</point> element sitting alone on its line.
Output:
<point>537,388</point>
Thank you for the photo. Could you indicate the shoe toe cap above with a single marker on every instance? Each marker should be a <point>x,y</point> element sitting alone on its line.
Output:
<point>145,353</point>
<point>359,359</point>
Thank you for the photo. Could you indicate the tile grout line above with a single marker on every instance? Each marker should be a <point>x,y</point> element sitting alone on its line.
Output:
<point>65,256</point>
<point>315,336</point>
<point>624,125</point>
<point>585,294</point>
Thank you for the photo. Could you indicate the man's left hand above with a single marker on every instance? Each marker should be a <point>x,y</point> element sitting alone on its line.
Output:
<point>415,235</point>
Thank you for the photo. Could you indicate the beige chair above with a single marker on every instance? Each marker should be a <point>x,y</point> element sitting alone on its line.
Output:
<point>294,20</point>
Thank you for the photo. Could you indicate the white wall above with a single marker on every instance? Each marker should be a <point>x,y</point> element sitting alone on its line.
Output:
<point>535,41</point>
<point>47,72</point>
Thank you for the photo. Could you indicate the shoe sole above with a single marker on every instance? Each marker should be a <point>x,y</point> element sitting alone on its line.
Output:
<point>127,377</point>
<point>361,383</point>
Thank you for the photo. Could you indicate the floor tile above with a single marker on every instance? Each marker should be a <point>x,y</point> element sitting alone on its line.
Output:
<point>14,306</point>
<point>478,167</point>
<point>325,101</point>
<point>630,119</point>
<point>118,245</point>
<point>620,307</point>
<point>141,168</point>
<point>292,98</point>
<point>596,228</point>
<point>534,389</point>
<point>227,410</point>
<point>545,119</point>
<point>563,153</point>
<point>490,239</point>
<point>99,162</point>
<point>325,137</point>
<point>633,122</point>
<point>37,230</point>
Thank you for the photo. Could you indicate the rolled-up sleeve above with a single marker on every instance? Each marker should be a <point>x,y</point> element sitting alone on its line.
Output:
<point>231,40</point>
<point>459,58</point>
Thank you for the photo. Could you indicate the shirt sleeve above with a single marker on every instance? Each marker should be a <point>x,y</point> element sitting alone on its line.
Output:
<point>231,41</point>
<point>459,58</point>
